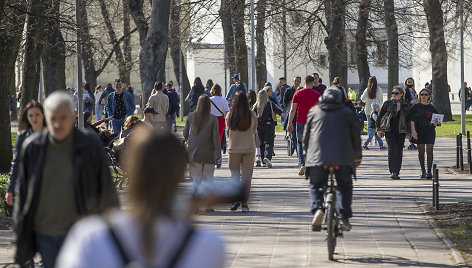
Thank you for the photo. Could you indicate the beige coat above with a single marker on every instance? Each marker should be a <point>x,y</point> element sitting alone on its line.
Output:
<point>203,147</point>
<point>160,102</point>
<point>242,141</point>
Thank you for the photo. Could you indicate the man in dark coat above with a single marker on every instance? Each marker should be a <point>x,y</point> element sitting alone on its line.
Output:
<point>331,138</point>
<point>63,176</point>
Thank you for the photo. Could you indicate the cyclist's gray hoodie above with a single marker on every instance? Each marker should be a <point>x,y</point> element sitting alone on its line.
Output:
<point>331,136</point>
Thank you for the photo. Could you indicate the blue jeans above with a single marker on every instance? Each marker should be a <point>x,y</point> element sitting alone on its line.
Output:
<point>282,118</point>
<point>170,118</point>
<point>301,157</point>
<point>372,132</point>
<point>48,247</point>
<point>117,124</point>
<point>98,111</point>
<point>319,178</point>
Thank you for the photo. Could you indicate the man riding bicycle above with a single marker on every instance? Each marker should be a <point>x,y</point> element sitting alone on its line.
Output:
<point>331,138</point>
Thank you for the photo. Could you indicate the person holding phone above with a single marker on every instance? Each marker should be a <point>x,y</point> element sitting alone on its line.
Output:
<point>423,130</point>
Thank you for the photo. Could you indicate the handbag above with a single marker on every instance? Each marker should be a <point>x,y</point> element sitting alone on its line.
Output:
<point>385,120</point>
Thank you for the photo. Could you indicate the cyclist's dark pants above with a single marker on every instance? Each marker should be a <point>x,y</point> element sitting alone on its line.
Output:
<point>319,177</point>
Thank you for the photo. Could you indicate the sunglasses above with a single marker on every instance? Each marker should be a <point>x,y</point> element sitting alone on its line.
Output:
<point>424,94</point>
<point>396,93</point>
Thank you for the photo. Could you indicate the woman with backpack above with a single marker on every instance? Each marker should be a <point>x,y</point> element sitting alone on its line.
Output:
<point>242,142</point>
<point>266,111</point>
<point>394,121</point>
<point>195,92</point>
<point>150,233</point>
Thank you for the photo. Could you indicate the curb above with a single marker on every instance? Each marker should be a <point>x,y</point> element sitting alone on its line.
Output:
<point>456,255</point>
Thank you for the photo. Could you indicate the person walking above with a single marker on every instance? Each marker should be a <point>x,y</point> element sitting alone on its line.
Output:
<point>394,122</point>
<point>160,102</point>
<point>371,130</point>
<point>120,104</point>
<point>331,138</point>
<point>423,131</point>
<point>235,87</point>
<point>31,121</point>
<point>98,106</point>
<point>195,92</point>
<point>411,97</point>
<point>317,85</point>
<point>242,142</point>
<point>203,143</point>
<point>63,176</point>
<point>371,94</point>
<point>208,87</point>
<point>219,108</point>
<point>302,102</point>
<point>173,109</point>
<point>149,234</point>
<point>266,112</point>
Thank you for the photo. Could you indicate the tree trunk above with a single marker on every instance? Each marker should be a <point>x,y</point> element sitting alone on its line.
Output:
<point>228,35</point>
<point>240,47</point>
<point>54,58</point>
<point>127,43</point>
<point>10,37</point>
<point>335,42</point>
<point>392,35</point>
<point>33,50</point>
<point>54,62</point>
<point>434,17</point>
<point>261,67</point>
<point>86,46</point>
<point>361,45</point>
<point>136,10</point>
<point>113,40</point>
<point>175,53</point>
<point>152,58</point>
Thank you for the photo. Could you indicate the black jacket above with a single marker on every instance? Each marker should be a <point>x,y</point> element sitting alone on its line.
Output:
<point>93,185</point>
<point>332,136</point>
<point>20,138</point>
<point>173,102</point>
<point>266,116</point>
<point>105,94</point>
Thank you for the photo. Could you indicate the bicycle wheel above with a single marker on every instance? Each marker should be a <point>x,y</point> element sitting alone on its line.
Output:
<point>331,227</point>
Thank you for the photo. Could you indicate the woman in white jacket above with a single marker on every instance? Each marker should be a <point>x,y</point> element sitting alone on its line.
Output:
<point>371,94</point>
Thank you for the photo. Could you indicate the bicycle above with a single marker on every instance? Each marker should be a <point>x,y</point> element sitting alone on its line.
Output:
<point>331,217</point>
<point>291,143</point>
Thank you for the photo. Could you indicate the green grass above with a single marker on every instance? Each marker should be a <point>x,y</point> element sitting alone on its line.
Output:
<point>453,128</point>
<point>13,139</point>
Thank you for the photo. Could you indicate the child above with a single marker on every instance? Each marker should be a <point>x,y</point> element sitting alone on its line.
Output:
<point>371,131</point>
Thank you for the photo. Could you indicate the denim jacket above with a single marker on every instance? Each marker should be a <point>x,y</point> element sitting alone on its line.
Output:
<point>128,100</point>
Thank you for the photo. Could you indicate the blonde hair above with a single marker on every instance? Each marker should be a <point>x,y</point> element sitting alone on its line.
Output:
<point>262,98</point>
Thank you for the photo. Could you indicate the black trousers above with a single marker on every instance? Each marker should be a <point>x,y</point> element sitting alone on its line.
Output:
<point>395,143</point>
<point>266,136</point>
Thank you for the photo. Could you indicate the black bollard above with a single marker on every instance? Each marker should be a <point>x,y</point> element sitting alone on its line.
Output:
<point>461,153</point>
<point>436,188</point>
<point>469,153</point>
<point>457,151</point>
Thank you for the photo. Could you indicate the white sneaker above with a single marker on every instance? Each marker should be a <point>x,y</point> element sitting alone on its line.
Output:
<point>301,172</point>
<point>258,161</point>
<point>317,220</point>
<point>267,162</point>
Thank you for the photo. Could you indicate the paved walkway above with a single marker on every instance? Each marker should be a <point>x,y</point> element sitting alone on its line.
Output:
<point>389,229</point>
